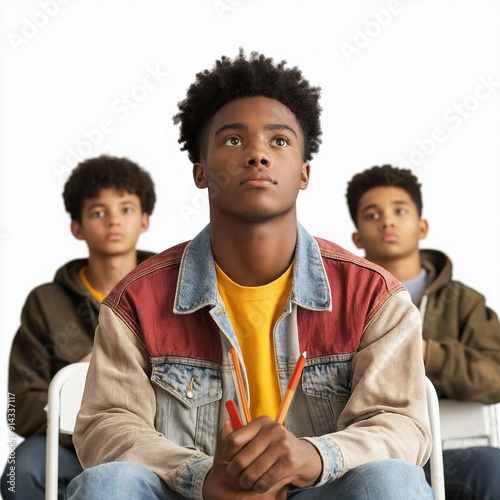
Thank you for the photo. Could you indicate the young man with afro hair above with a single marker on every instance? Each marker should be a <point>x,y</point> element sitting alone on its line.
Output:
<point>109,200</point>
<point>461,335</point>
<point>153,422</point>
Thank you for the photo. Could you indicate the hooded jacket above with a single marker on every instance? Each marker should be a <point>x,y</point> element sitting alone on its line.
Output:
<point>58,321</point>
<point>462,333</point>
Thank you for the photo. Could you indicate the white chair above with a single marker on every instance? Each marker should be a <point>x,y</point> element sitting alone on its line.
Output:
<point>65,396</point>
<point>436,458</point>
<point>494,419</point>
<point>466,423</point>
<point>64,399</point>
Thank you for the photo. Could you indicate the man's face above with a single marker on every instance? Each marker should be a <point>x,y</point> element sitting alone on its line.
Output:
<point>389,226</point>
<point>111,223</point>
<point>253,160</point>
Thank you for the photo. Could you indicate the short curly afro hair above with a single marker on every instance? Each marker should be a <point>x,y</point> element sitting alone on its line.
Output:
<point>94,174</point>
<point>256,76</point>
<point>386,175</point>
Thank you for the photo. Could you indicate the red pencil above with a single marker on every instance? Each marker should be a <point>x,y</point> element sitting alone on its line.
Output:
<point>233,414</point>
<point>292,385</point>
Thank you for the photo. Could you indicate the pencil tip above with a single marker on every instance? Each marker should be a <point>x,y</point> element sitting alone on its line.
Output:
<point>304,354</point>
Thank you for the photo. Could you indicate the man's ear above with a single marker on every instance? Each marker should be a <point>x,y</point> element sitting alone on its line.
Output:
<point>423,229</point>
<point>305,175</point>
<point>356,239</point>
<point>144,222</point>
<point>77,230</point>
<point>199,175</point>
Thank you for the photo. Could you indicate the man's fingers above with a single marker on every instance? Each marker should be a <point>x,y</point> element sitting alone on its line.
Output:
<point>221,441</point>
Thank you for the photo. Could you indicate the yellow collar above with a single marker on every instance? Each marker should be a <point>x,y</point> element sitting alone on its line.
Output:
<point>97,295</point>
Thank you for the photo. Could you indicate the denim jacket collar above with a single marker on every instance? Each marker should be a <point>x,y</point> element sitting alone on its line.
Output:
<point>197,283</point>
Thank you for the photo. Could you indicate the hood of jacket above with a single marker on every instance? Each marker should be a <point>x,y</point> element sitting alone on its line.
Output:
<point>439,270</point>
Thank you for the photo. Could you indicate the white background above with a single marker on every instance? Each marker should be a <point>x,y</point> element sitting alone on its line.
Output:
<point>394,75</point>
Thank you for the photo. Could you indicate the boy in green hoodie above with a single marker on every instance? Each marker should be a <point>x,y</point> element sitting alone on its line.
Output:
<point>461,335</point>
<point>109,200</point>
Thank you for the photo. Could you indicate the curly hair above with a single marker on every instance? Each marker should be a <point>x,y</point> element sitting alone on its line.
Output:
<point>94,174</point>
<point>233,79</point>
<point>386,175</point>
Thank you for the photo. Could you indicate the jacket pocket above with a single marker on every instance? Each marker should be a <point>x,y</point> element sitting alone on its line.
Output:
<point>326,384</point>
<point>188,394</point>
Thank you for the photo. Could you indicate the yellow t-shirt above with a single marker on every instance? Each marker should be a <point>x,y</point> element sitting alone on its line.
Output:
<point>253,312</point>
<point>97,295</point>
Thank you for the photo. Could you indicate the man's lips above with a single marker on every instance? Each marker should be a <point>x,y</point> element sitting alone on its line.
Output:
<point>389,237</point>
<point>114,236</point>
<point>258,178</point>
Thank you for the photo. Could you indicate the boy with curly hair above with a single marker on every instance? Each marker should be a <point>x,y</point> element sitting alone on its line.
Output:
<point>109,200</point>
<point>461,335</point>
<point>256,281</point>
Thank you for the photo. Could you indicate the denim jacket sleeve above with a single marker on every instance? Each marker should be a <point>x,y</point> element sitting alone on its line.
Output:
<point>117,416</point>
<point>386,414</point>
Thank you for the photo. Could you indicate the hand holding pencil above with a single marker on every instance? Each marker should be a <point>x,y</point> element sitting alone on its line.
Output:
<point>262,444</point>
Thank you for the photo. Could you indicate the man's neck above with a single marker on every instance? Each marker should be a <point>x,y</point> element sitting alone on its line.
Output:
<point>104,272</point>
<point>254,254</point>
<point>403,268</point>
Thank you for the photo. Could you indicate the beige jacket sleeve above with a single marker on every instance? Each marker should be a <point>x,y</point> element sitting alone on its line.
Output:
<point>386,415</point>
<point>116,419</point>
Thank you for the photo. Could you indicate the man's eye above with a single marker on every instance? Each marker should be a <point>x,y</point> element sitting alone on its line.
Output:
<point>373,216</point>
<point>233,141</point>
<point>281,142</point>
<point>97,214</point>
<point>401,211</point>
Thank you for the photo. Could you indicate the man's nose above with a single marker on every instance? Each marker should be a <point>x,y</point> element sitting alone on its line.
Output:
<point>258,155</point>
<point>113,218</point>
<point>387,221</point>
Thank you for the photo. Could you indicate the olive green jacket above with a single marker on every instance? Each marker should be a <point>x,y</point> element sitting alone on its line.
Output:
<point>57,328</point>
<point>462,333</point>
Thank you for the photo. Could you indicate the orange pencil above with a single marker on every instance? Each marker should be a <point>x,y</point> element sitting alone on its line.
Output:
<point>238,382</point>
<point>290,391</point>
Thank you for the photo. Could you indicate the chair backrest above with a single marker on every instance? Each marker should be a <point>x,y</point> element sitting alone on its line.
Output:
<point>64,399</point>
<point>494,419</point>
<point>436,458</point>
<point>466,423</point>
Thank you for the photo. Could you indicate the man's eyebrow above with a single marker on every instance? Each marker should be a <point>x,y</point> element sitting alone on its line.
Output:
<point>375,205</point>
<point>97,204</point>
<point>101,204</point>
<point>280,126</point>
<point>369,207</point>
<point>242,126</point>
<point>127,199</point>
<point>231,126</point>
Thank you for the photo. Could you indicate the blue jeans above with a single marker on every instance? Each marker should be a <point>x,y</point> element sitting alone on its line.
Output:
<point>386,480</point>
<point>471,473</point>
<point>29,465</point>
